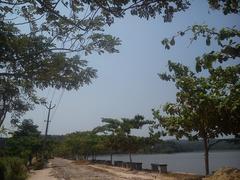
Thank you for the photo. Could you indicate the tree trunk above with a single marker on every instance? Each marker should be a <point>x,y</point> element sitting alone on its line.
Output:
<point>30,159</point>
<point>206,155</point>
<point>130,159</point>
<point>111,157</point>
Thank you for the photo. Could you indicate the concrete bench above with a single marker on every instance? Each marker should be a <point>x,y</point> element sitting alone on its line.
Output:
<point>133,165</point>
<point>137,165</point>
<point>108,162</point>
<point>162,168</point>
<point>128,165</point>
<point>118,163</point>
<point>124,164</point>
<point>100,161</point>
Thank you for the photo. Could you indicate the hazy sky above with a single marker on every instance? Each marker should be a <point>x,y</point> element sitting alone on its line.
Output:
<point>127,82</point>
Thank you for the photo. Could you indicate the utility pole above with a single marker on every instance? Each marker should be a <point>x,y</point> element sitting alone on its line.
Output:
<point>50,107</point>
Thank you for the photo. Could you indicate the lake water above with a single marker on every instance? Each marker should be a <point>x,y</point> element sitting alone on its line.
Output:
<point>191,162</point>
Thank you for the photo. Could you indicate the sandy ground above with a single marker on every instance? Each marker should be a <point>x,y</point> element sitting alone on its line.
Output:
<point>225,174</point>
<point>62,169</point>
<point>44,174</point>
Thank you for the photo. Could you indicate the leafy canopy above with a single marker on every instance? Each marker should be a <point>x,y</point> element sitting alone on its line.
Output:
<point>119,133</point>
<point>35,37</point>
<point>221,85</point>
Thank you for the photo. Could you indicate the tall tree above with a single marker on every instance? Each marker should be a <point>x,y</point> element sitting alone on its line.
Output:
<point>25,142</point>
<point>222,69</point>
<point>201,110</point>
<point>119,132</point>
<point>80,144</point>
<point>110,128</point>
<point>206,106</point>
<point>127,141</point>
<point>35,39</point>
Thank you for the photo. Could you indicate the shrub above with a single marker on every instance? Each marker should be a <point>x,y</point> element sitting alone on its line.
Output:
<point>12,168</point>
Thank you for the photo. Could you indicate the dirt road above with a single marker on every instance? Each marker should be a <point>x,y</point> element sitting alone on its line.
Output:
<point>62,169</point>
<point>67,170</point>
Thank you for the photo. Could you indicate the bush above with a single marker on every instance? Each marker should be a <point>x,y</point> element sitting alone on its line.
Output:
<point>12,168</point>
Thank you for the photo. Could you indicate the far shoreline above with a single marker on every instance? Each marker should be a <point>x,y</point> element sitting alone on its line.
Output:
<point>198,151</point>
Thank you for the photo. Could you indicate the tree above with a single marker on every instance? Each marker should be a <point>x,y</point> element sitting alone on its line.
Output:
<point>80,145</point>
<point>202,108</point>
<point>25,141</point>
<point>110,129</point>
<point>127,141</point>
<point>223,67</point>
<point>35,39</point>
<point>72,144</point>
<point>119,132</point>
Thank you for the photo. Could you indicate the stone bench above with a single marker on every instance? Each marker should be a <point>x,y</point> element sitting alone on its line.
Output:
<point>118,163</point>
<point>137,166</point>
<point>108,162</point>
<point>124,164</point>
<point>133,165</point>
<point>162,168</point>
<point>100,161</point>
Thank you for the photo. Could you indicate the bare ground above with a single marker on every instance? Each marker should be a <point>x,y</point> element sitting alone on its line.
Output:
<point>225,173</point>
<point>62,169</point>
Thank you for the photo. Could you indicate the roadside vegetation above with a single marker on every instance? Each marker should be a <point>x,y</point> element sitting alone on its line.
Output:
<point>19,150</point>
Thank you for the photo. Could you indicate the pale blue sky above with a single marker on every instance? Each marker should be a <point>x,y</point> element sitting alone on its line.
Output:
<point>127,82</point>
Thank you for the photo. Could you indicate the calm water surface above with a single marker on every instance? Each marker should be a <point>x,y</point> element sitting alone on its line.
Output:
<point>192,162</point>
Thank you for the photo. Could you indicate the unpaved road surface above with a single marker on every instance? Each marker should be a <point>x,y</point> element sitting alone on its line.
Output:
<point>62,169</point>
<point>67,170</point>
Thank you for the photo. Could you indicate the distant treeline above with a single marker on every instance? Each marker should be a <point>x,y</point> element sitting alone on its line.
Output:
<point>173,146</point>
<point>170,146</point>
